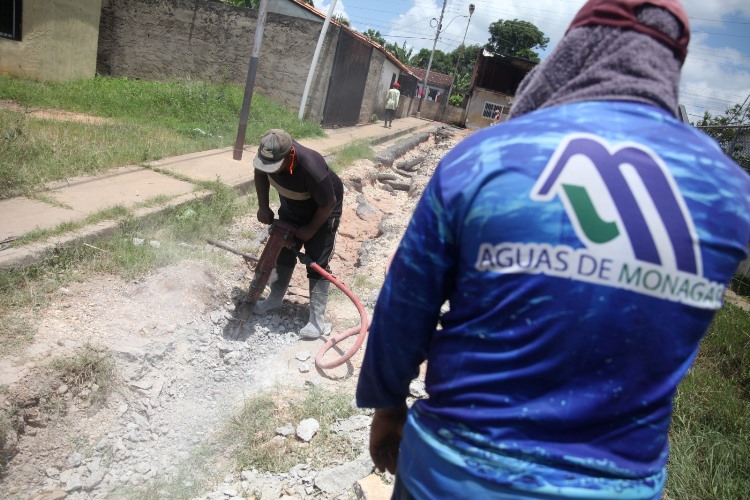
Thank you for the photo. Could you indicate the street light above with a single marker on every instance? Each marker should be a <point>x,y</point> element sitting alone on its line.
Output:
<point>429,64</point>
<point>449,22</point>
<point>458,61</point>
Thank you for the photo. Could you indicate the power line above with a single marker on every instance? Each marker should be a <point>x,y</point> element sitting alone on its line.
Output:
<point>716,20</point>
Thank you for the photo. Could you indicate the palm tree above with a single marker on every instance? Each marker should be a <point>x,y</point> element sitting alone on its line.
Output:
<point>339,18</point>
<point>400,52</point>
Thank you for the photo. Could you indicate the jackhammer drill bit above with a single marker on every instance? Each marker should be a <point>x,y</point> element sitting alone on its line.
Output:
<point>281,236</point>
<point>246,256</point>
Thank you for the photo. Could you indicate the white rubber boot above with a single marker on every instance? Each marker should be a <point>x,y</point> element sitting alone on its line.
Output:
<point>318,302</point>
<point>278,290</point>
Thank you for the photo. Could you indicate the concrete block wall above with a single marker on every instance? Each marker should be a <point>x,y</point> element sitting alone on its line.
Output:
<point>371,101</point>
<point>163,39</point>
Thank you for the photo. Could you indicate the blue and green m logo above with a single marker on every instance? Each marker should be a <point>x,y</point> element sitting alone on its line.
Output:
<point>621,201</point>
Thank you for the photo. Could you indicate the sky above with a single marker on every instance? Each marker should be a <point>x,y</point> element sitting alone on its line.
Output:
<point>716,74</point>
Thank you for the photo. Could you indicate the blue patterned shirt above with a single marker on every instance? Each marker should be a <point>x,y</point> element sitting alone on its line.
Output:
<point>582,251</point>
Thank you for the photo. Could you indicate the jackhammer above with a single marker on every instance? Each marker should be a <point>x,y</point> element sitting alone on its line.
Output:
<point>282,235</point>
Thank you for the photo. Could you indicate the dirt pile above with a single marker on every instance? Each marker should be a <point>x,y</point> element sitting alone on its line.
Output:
<point>180,381</point>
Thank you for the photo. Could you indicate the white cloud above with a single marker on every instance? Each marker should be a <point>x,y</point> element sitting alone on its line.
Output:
<point>713,79</point>
<point>339,9</point>
<point>700,10</point>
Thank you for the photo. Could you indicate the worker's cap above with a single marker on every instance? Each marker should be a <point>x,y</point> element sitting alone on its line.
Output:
<point>397,85</point>
<point>274,146</point>
<point>624,14</point>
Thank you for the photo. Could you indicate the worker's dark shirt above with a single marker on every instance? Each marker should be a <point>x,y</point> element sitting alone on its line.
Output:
<point>310,185</point>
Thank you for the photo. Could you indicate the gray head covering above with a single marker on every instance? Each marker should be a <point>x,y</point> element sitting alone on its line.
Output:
<point>606,63</point>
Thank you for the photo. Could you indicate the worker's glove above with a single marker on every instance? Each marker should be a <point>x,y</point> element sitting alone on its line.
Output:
<point>385,437</point>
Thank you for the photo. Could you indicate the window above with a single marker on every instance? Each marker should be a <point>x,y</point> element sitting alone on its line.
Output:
<point>10,19</point>
<point>490,108</point>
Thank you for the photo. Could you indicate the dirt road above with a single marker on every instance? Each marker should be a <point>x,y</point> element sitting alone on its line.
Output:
<point>180,381</point>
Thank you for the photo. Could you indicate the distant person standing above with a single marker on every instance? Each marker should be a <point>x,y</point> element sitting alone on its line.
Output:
<point>496,117</point>
<point>391,104</point>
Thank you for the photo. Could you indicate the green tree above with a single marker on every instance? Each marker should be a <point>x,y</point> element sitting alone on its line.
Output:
<point>732,131</point>
<point>375,36</point>
<point>456,100</point>
<point>401,53</point>
<point>441,62</point>
<point>462,82</point>
<point>466,56</point>
<point>516,38</point>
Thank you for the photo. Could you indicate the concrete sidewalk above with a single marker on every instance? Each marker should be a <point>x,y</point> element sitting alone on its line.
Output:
<point>151,188</point>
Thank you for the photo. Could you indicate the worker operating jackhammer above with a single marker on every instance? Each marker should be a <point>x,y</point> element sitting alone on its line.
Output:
<point>311,197</point>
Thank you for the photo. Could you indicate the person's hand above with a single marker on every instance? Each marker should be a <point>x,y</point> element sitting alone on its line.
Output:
<point>385,437</point>
<point>304,233</point>
<point>265,215</point>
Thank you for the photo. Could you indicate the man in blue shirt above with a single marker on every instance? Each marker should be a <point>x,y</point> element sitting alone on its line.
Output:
<point>583,248</point>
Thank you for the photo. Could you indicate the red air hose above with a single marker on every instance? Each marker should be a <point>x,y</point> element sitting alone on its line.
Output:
<point>361,329</point>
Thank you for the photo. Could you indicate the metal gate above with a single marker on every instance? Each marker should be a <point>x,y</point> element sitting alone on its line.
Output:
<point>348,79</point>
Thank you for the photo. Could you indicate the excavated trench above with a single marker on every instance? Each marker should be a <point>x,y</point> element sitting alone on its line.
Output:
<point>179,381</point>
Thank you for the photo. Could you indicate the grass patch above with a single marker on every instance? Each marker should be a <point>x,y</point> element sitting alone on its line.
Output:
<point>89,373</point>
<point>22,293</point>
<point>17,331</point>
<point>113,213</point>
<point>359,150</point>
<point>364,284</point>
<point>710,433</point>
<point>43,151</point>
<point>40,196</point>
<point>146,121</point>
<point>258,446</point>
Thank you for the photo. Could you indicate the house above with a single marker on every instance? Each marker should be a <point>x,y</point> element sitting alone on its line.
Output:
<point>206,40</point>
<point>51,40</point>
<point>437,87</point>
<point>494,84</point>
<point>433,106</point>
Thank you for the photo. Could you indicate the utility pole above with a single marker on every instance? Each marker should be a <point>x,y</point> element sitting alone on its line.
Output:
<point>458,61</point>
<point>314,63</point>
<point>429,64</point>
<point>252,70</point>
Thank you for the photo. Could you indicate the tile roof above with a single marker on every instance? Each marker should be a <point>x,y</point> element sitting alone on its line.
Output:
<point>436,79</point>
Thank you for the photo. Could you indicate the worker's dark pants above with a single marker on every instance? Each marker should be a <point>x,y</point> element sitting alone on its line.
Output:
<point>319,248</point>
<point>389,114</point>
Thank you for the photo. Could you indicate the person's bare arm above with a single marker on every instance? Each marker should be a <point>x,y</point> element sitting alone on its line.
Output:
<point>262,189</point>
<point>385,437</point>
<point>307,231</point>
